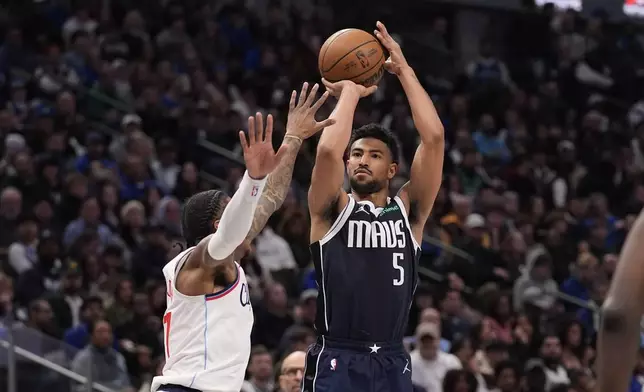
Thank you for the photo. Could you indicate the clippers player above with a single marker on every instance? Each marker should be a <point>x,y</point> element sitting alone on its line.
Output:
<point>209,317</point>
<point>365,244</point>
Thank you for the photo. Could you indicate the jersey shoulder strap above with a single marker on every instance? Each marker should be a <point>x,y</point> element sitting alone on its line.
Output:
<point>403,211</point>
<point>172,268</point>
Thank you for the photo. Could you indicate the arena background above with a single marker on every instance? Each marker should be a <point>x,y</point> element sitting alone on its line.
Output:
<point>114,112</point>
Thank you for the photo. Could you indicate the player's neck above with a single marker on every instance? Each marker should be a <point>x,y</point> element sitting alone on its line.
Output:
<point>379,199</point>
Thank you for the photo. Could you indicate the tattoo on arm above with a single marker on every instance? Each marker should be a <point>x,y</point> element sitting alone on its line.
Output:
<point>276,188</point>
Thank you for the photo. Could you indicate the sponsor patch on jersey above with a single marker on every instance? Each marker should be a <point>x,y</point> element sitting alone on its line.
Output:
<point>254,191</point>
<point>390,209</point>
<point>334,364</point>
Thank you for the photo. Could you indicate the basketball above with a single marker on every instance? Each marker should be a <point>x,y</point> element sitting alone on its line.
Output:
<point>352,54</point>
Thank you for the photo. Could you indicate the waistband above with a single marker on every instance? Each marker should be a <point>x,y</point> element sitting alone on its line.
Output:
<point>361,346</point>
<point>175,388</point>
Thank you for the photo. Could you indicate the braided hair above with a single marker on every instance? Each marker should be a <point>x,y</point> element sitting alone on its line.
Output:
<point>199,213</point>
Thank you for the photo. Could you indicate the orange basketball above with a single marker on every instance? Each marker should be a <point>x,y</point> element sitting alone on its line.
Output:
<point>352,54</point>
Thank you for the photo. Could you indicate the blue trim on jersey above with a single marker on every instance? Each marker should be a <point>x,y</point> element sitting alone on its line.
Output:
<point>205,334</point>
<point>225,291</point>
<point>193,380</point>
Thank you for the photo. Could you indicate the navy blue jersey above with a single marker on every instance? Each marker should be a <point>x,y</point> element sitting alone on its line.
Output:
<point>366,270</point>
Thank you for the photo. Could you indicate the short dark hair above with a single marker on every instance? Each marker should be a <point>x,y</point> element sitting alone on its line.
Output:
<point>199,211</point>
<point>259,350</point>
<point>379,132</point>
<point>89,301</point>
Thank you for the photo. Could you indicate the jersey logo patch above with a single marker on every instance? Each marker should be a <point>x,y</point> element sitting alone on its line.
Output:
<point>334,364</point>
<point>364,209</point>
<point>254,191</point>
<point>390,209</point>
<point>244,295</point>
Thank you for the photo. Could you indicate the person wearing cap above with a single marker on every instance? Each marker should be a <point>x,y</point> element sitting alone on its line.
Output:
<point>428,363</point>
<point>129,124</point>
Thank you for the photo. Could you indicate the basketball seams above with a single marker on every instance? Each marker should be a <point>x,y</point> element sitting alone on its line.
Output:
<point>327,45</point>
<point>365,71</point>
<point>350,51</point>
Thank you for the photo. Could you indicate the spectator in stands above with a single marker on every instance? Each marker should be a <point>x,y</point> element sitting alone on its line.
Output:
<point>260,368</point>
<point>272,317</point>
<point>292,371</point>
<point>550,353</point>
<point>428,364</point>
<point>23,253</point>
<point>88,220</point>
<point>106,364</point>
<point>91,311</point>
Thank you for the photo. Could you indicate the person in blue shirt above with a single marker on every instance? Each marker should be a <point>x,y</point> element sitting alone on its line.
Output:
<point>95,155</point>
<point>91,310</point>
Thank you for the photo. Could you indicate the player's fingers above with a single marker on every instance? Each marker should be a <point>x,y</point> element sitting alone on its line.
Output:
<point>243,141</point>
<point>305,89</point>
<point>369,91</point>
<point>259,127</point>
<point>327,84</point>
<point>324,123</point>
<point>251,130</point>
<point>318,104</point>
<point>383,29</point>
<point>312,95</point>
<point>291,104</point>
<point>268,135</point>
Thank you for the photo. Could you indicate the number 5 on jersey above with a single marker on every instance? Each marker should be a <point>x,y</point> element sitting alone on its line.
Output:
<point>167,318</point>
<point>398,258</point>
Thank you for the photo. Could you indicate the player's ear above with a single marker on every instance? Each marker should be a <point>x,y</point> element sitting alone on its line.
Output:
<point>393,170</point>
<point>215,224</point>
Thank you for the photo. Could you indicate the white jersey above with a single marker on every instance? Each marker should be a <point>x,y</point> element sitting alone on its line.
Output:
<point>206,337</point>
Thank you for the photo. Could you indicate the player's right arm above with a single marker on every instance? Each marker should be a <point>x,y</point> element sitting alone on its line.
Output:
<point>237,218</point>
<point>325,191</point>
<point>619,333</point>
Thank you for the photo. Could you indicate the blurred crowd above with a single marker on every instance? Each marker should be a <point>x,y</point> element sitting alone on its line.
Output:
<point>112,113</point>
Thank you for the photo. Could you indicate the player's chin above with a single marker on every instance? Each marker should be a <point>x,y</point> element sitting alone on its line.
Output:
<point>362,178</point>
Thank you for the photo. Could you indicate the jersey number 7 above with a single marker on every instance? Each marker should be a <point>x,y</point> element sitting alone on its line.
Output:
<point>398,258</point>
<point>166,326</point>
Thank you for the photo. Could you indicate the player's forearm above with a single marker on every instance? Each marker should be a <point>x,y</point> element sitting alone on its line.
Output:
<point>619,340</point>
<point>335,138</point>
<point>237,218</point>
<point>619,333</point>
<point>277,187</point>
<point>423,112</point>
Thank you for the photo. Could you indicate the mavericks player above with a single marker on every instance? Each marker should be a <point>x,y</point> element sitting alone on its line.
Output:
<point>365,245</point>
<point>209,318</point>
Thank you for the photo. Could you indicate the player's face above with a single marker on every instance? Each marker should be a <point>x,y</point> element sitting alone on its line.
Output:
<point>370,166</point>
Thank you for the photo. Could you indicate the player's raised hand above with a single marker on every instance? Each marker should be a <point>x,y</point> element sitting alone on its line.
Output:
<point>336,89</point>
<point>259,155</point>
<point>396,62</point>
<point>301,113</point>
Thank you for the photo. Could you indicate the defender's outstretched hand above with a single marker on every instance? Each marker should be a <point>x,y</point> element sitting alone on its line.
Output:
<point>396,62</point>
<point>336,88</point>
<point>301,121</point>
<point>259,155</point>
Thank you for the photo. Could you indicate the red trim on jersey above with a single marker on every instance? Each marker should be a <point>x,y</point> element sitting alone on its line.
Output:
<point>226,291</point>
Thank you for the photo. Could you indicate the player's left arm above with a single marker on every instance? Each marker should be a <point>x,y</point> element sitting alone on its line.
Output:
<point>427,167</point>
<point>619,332</point>
<point>300,125</point>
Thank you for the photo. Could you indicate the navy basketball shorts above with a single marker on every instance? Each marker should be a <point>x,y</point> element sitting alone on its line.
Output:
<point>348,366</point>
